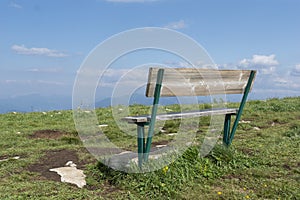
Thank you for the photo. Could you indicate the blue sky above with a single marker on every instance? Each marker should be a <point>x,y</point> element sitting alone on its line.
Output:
<point>43,43</point>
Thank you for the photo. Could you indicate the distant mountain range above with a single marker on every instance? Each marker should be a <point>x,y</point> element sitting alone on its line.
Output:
<point>135,99</point>
<point>35,102</point>
<point>38,103</point>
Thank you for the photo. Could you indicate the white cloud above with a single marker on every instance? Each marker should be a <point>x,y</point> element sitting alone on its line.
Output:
<point>281,81</point>
<point>296,70</point>
<point>263,63</point>
<point>50,82</point>
<point>15,5</point>
<point>130,1</point>
<point>34,82</point>
<point>48,70</point>
<point>260,60</point>
<point>176,25</point>
<point>21,49</point>
<point>10,81</point>
<point>197,64</point>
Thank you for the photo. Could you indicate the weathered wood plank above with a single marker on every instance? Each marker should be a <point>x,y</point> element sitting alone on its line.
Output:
<point>198,82</point>
<point>181,115</point>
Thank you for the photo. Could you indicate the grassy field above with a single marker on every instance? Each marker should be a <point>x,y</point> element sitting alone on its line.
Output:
<point>262,163</point>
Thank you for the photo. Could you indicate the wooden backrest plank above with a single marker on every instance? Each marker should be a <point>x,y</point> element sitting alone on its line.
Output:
<point>198,82</point>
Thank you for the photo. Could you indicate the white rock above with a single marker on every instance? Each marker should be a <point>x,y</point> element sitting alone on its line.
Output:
<point>161,145</point>
<point>102,125</point>
<point>124,152</point>
<point>71,175</point>
<point>256,128</point>
<point>245,122</point>
<point>71,164</point>
<point>13,158</point>
<point>155,157</point>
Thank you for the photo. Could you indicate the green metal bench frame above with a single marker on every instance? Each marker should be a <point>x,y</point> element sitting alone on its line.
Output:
<point>144,146</point>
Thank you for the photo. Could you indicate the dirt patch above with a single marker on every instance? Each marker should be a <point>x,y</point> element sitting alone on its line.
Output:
<point>287,167</point>
<point>233,177</point>
<point>163,142</point>
<point>54,159</point>
<point>2,157</point>
<point>48,134</point>
<point>58,158</point>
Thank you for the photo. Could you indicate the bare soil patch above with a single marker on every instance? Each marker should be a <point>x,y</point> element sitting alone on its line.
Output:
<point>163,142</point>
<point>58,158</point>
<point>54,159</point>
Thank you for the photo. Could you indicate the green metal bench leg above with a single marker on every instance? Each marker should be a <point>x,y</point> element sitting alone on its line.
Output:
<point>239,113</point>
<point>227,123</point>
<point>141,143</point>
<point>157,90</point>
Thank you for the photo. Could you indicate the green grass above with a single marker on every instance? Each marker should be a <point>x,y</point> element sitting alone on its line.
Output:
<point>262,163</point>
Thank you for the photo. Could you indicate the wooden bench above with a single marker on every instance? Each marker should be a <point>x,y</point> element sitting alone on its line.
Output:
<point>168,82</point>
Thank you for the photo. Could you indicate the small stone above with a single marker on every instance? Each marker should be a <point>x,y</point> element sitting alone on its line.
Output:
<point>71,164</point>
<point>13,158</point>
<point>171,134</point>
<point>155,157</point>
<point>245,122</point>
<point>124,152</point>
<point>161,145</point>
<point>102,125</point>
<point>256,128</point>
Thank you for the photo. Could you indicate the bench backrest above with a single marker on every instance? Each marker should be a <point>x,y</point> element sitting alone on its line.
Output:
<point>199,82</point>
